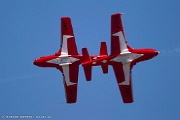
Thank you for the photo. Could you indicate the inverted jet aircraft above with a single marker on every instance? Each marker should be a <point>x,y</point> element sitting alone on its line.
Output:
<point>67,60</point>
<point>122,58</point>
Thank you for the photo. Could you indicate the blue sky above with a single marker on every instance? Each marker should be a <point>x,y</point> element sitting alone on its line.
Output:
<point>30,29</point>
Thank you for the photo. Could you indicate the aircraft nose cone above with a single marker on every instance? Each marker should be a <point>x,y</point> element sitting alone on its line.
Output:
<point>35,62</point>
<point>156,53</point>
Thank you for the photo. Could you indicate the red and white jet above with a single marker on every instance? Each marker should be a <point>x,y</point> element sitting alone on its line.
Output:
<point>122,58</point>
<point>67,60</point>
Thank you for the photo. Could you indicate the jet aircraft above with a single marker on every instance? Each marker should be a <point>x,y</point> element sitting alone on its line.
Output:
<point>122,58</point>
<point>67,60</point>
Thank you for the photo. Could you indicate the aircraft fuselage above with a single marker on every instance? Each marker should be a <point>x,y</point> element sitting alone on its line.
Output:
<point>134,55</point>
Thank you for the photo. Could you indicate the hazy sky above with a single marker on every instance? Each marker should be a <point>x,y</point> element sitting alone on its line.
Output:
<point>31,28</point>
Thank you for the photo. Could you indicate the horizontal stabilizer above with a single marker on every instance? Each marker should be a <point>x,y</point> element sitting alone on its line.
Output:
<point>88,72</point>
<point>104,68</point>
<point>85,55</point>
<point>103,49</point>
<point>87,69</point>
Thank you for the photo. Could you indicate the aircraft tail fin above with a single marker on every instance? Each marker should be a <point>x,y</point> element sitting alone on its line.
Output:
<point>87,69</point>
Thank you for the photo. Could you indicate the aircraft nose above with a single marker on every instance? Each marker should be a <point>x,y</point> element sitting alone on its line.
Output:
<point>156,53</point>
<point>36,62</point>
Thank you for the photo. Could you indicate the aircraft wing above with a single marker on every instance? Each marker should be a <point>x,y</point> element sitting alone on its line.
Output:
<point>70,78</point>
<point>126,91</point>
<point>68,44</point>
<point>69,65</point>
<point>123,77</point>
<point>118,41</point>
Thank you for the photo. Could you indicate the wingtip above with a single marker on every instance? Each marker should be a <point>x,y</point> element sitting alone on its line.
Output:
<point>65,17</point>
<point>118,13</point>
